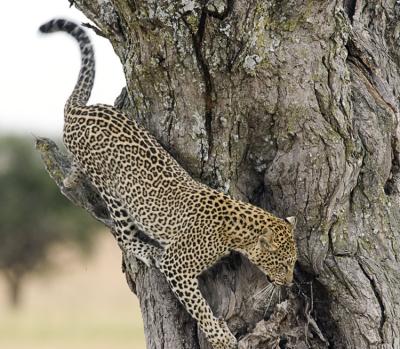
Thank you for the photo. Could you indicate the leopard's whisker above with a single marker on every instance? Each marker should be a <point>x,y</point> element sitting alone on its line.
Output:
<point>259,292</point>
<point>270,300</point>
<point>279,295</point>
<point>263,296</point>
<point>263,291</point>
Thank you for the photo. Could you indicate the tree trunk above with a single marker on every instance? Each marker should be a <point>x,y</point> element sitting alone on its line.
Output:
<point>290,105</point>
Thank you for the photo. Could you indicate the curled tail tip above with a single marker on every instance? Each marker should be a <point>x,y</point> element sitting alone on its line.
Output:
<point>58,24</point>
<point>50,26</point>
<point>83,87</point>
<point>44,28</point>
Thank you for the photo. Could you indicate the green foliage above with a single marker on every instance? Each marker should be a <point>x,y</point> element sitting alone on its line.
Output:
<point>33,213</point>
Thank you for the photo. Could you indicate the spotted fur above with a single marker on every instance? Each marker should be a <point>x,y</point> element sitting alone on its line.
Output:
<point>146,189</point>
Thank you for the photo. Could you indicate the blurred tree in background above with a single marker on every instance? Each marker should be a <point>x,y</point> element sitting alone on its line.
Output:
<point>34,215</point>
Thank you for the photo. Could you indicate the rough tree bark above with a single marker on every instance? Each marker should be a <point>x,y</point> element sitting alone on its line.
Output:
<point>291,105</point>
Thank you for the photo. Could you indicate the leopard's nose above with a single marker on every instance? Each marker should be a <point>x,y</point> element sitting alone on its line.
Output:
<point>289,278</point>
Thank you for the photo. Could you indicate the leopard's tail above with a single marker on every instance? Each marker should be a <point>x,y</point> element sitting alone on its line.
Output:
<point>81,93</point>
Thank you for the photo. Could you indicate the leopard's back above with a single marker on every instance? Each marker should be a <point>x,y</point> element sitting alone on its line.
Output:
<point>121,157</point>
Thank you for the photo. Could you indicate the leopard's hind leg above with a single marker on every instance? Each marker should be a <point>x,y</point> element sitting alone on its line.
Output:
<point>127,234</point>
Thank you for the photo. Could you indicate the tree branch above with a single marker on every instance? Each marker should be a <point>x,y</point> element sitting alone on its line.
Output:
<point>84,194</point>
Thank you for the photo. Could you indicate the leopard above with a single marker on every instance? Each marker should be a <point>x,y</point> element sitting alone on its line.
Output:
<point>147,191</point>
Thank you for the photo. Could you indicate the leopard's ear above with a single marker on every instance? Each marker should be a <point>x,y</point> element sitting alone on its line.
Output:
<point>266,241</point>
<point>291,220</point>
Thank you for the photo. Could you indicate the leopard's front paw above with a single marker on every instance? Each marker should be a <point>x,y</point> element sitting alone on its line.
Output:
<point>224,343</point>
<point>224,339</point>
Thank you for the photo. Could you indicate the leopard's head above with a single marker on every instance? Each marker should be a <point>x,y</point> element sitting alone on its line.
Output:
<point>275,252</point>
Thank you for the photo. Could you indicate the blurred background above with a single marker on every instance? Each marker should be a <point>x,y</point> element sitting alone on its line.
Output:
<point>61,284</point>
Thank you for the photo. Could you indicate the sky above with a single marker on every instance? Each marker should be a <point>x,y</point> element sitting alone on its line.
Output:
<point>38,72</point>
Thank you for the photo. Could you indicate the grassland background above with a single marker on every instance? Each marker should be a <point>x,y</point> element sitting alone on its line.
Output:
<point>84,303</point>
